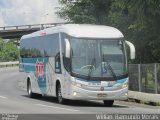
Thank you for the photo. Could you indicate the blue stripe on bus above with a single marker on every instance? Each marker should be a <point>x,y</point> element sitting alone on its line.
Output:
<point>29,65</point>
<point>98,81</point>
<point>121,81</point>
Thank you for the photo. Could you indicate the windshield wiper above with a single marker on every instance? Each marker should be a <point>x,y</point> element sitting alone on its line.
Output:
<point>91,68</point>
<point>110,68</point>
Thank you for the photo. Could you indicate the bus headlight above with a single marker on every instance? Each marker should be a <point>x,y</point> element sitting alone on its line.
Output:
<point>125,85</point>
<point>78,85</point>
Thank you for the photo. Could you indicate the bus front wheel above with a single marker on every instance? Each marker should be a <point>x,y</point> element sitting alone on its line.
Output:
<point>108,103</point>
<point>61,100</point>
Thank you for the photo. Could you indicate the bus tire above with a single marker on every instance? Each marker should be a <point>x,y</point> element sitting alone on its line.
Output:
<point>61,100</point>
<point>29,89</point>
<point>108,103</point>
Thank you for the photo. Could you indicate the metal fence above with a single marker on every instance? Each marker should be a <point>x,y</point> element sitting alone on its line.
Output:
<point>144,77</point>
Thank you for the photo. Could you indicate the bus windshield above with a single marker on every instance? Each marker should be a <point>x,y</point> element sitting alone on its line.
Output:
<point>98,57</point>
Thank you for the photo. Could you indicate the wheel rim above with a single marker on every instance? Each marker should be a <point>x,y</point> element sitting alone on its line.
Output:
<point>29,89</point>
<point>59,95</point>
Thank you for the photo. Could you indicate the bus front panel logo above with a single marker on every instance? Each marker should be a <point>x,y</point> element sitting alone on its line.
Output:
<point>102,88</point>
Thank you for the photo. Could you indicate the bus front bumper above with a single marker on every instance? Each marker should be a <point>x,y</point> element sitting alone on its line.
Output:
<point>77,93</point>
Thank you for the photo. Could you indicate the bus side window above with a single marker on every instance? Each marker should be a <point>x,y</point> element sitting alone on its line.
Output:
<point>57,63</point>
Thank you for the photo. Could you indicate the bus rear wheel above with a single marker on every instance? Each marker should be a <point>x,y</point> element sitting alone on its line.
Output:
<point>29,90</point>
<point>61,100</point>
<point>108,103</point>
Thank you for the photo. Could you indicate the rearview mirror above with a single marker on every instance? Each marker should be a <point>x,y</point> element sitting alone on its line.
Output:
<point>132,49</point>
<point>67,48</point>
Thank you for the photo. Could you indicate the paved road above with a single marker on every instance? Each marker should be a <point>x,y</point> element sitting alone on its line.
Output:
<point>14,99</point>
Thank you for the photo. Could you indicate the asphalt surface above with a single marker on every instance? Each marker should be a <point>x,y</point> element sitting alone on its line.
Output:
<point>14,100</point>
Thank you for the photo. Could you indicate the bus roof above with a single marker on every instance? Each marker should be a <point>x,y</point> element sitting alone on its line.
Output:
<point>80,31</point>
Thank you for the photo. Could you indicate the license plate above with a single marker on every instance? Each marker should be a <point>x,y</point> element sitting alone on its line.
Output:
<point>101,95</point>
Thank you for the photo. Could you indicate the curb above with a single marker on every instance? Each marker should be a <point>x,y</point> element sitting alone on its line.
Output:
<point>9,64</point>
<point>144,98</point>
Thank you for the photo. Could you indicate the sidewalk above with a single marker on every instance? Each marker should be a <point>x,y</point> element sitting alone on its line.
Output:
<point>153,99</point>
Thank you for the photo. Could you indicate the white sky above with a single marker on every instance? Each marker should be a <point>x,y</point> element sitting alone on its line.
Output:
<point>25,12</point>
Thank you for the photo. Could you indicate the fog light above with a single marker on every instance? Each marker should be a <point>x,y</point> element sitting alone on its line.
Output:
<point>126,94</point>
<point>74,93</point>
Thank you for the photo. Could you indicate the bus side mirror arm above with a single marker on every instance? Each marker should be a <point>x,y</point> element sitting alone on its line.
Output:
<point>132,49</point>
<point>67,48</point>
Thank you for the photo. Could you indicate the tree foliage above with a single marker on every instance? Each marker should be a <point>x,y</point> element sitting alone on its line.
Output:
<point>139,22</point>
<point>85,11</point>
<point>8,51</point>
<point>137,19</point>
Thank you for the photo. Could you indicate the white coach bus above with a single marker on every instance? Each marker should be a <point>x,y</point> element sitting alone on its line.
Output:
<point>77,62</point>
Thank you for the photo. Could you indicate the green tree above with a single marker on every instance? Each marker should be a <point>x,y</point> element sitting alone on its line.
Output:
<point>8,51</point>
<point>139,22</point>
<point>137,19</point>
<point>85,11</point>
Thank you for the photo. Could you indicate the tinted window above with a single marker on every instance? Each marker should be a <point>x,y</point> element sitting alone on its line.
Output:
<point>43,46</point>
